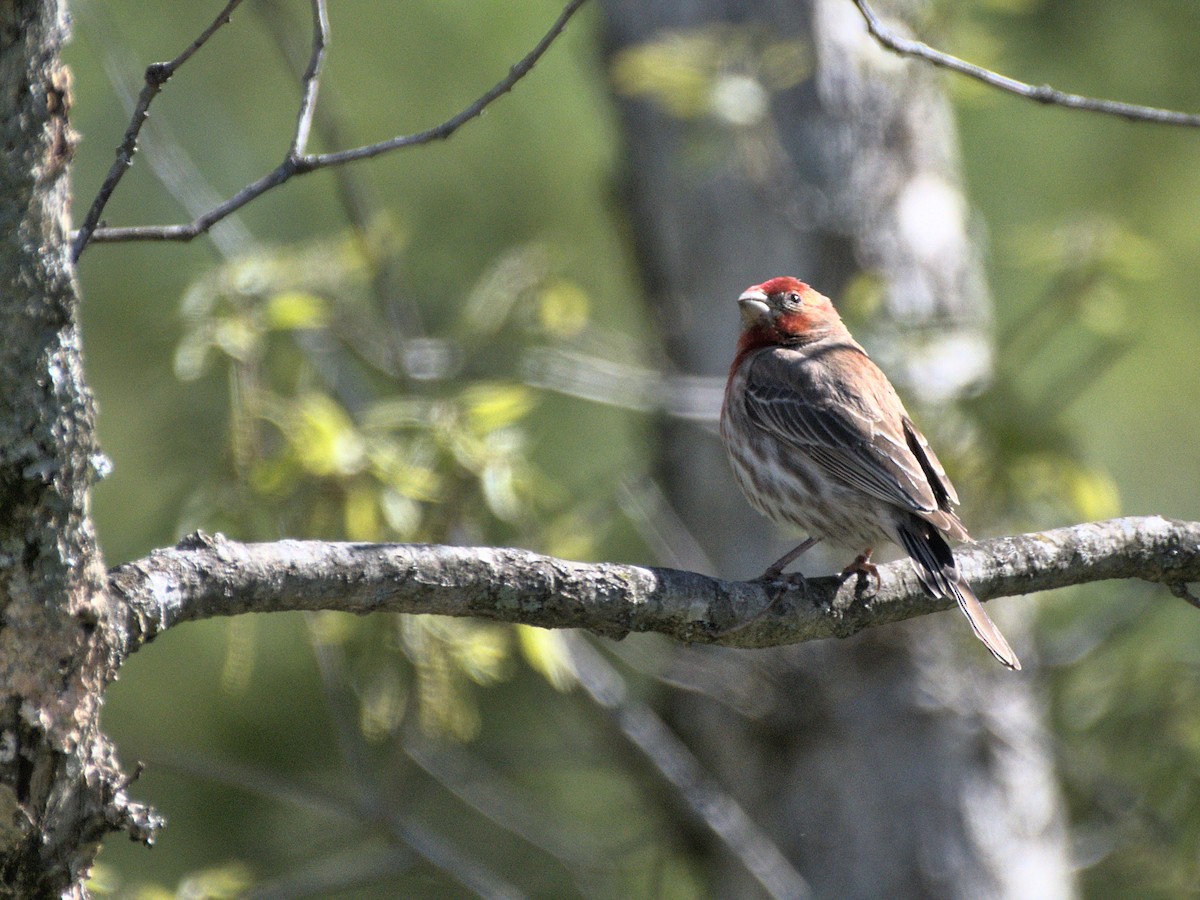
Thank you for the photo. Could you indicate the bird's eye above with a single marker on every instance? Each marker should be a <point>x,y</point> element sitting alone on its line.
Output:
<point>792,298</point>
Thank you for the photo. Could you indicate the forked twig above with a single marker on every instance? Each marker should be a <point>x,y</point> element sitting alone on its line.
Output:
<point>297,161</point>
<point>157,75</point>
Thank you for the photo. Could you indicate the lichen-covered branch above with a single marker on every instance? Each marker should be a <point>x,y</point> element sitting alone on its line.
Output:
<point>207,576</point>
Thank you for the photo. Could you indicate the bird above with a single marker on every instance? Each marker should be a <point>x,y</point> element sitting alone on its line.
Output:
<point>819,440</point>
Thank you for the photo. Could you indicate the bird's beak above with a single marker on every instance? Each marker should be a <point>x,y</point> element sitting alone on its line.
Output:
<point>753,304</point>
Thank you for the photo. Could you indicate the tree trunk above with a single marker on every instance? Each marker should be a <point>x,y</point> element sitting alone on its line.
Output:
<point>60,790</point>
<point>904,762</point>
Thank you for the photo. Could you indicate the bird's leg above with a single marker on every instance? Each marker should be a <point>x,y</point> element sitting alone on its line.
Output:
<point>862,565</point>
<point>776,568</point>
<point>773,572</point>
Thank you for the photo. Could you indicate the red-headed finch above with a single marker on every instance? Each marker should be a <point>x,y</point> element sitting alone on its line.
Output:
<point>819,440</point>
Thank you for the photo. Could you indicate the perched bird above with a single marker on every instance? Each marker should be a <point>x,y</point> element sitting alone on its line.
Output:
<point>819,440</point>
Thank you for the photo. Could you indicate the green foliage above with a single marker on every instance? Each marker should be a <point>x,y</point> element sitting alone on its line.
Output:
<point>1095,310</point>
<point>721,77</point>
<point>719,71</point>
<point>1032,470</point>
<point>330,436</point>
<point>218,883</point>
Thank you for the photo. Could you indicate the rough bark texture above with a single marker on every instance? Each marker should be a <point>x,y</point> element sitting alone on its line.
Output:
<point>60,790</point>
<point>885,767</point>
<point>208,576</point>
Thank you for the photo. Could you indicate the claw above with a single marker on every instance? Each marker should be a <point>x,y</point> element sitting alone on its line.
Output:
<point>862,565</point>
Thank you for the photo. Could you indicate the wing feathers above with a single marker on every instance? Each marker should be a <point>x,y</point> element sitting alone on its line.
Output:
<point>833,404</point>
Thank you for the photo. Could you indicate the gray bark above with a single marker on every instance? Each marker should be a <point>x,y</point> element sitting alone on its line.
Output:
<point>210,576</point>
<point>891,766</point>
<point>60,789</point>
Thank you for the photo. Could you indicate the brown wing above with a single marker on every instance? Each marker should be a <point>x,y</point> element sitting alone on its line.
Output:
<point>833,404</point>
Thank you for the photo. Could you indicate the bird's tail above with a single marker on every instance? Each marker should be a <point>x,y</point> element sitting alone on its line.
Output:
<point>934,562</point>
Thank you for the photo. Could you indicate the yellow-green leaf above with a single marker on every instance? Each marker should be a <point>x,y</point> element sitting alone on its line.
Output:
<point>323,437</point>
<point>563,309</point>
<point>493,405</point>
<point>297,310</point>
<point>546,652</point>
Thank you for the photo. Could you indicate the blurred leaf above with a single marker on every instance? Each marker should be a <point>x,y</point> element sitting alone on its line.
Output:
<point>191,356</point>
<point>237,336</point>
<point>674,71</point>
<point>547,653</point>
<point>494,405</point>
<point>720,71</point>
<point>501,489</point>
<point>563,309</point>
<point>331,627</point>
<point>491,302</point>
<point>1089,244</point>
<point>362,513</point>
<point>219,883</point>
<point>384,701</point>
<point>408,468</point>
<point>443,651</point>
<point>323,436</point>
<point>292,310</point>
<point>1094,494</point>
<point>241,632</point>
<point>576,534</point>
<point>103,881</point>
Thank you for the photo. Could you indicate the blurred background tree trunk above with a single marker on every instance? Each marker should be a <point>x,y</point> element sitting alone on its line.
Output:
<point>904,762</point>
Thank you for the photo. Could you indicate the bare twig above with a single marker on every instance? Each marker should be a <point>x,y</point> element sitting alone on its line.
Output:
<point>412,836</point>
<point>451,125</point>
<point>718,810</point>
<point>161,149</point>
<point>297,161</point>
<point>358,201</point>
<point>1043,93</point>
<point>157,75</point>
<point>311,81</point>
<point>207,576</point>
<point>484,791</point>
<point>692,398</point>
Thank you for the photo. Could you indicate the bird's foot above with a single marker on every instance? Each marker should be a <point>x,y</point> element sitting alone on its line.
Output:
<point>864,568</point>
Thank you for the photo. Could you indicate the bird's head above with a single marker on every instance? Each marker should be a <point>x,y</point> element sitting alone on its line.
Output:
<point>786,311</point>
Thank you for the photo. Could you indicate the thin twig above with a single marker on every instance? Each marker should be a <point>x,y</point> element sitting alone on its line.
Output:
<point>485,792</point>
<point>312,79</point>
<point>299,163</point>
<point>441,854</point>
<point>718,810</point>
<point>451,125</point>
<point>1043,93</point>
<point>157,75</point>
<point>358,201</point>
<point>157,144</point>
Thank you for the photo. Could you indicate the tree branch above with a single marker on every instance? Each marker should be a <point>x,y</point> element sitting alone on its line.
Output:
<point>207,576</point>
<point>297,161</point>
<point>1042,93</point>
<point>157,75</point>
